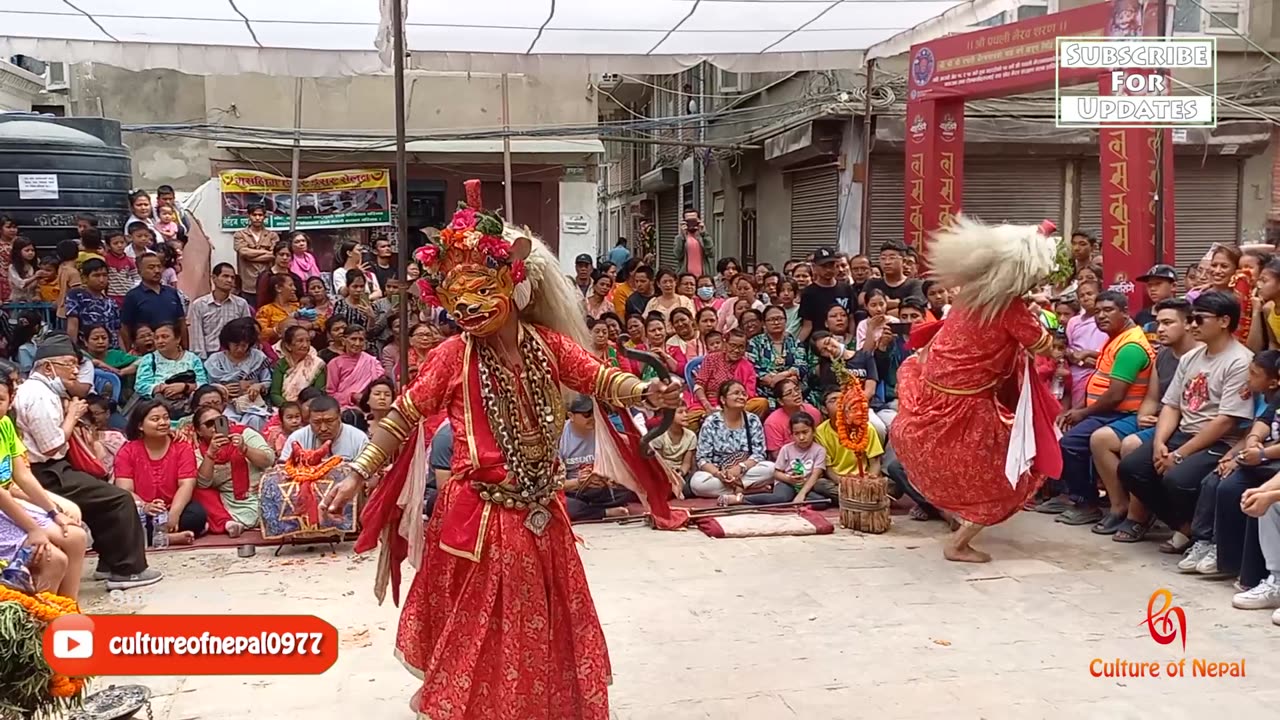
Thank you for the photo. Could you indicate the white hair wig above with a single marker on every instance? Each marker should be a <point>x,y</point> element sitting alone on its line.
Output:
<point>552,300</point>
<point>992,264</point>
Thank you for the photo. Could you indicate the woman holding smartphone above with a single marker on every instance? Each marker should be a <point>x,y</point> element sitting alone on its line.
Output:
<point>230,461</point>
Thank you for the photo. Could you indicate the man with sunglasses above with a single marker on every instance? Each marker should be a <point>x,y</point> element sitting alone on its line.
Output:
<point>1205,410</point>
<point>588,495</point>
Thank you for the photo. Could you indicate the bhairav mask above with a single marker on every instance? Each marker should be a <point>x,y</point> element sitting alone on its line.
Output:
<point>475,269</point>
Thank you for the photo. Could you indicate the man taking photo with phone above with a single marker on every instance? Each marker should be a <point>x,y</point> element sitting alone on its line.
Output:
<point>693,246</point>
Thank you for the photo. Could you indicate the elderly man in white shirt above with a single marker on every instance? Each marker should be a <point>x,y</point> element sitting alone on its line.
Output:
<point>110,512</point>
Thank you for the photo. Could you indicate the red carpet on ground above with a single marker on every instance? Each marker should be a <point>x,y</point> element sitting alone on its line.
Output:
<point>254,537</point>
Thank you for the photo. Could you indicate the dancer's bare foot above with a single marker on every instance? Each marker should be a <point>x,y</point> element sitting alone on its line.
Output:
<point>415,702</point>
<point>965,554</point>
<point>958,548</point>
<point>186,537</point>
<point>616,512</point>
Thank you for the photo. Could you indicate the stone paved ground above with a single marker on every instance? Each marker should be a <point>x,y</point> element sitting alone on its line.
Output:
<point>843,626</point>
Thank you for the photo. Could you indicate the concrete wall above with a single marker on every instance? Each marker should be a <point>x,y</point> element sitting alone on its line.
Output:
<point>435,101</point>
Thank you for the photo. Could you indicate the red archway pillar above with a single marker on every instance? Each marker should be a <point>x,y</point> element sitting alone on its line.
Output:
<point>935,166</point>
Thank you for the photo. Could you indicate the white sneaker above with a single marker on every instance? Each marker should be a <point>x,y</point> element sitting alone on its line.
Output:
<point>1198,551</point>
<point>1262,596</point>
<point>234,529</point>
<point>1209,565</point>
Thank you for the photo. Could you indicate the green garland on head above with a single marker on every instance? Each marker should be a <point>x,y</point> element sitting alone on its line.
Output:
<point>24,673</point>
<point>1064,268</point>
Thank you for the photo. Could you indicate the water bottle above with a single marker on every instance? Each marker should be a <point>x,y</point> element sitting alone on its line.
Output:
<point>159,533</point>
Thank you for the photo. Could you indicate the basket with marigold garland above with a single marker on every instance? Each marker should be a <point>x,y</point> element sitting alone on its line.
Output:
<point>864,498</point>
<point>29,688</point>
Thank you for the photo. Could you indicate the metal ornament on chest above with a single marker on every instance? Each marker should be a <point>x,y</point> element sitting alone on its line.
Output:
<point>526,415</point>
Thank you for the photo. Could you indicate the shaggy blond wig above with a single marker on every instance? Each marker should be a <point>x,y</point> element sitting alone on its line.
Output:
<point>553,301</point>
<point>993,265</point>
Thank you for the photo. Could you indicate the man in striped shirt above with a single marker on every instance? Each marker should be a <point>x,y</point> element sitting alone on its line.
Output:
<point>208,314</point>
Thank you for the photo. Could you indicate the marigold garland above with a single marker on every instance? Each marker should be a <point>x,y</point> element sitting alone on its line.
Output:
<point>851,419</point>
<point>59,691</point>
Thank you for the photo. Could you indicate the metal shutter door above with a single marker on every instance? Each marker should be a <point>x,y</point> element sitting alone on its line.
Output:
<point>1090,219</point>
<point>1206,205</point>
<point>1206,199</point>
<point>888,202</point>
<point>1019,191</point>
<point>815,200</point>
<point>668,227</point>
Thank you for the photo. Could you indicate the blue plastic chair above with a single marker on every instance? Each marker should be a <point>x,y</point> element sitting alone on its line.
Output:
<point>102,378</point>
<point>691,370</point>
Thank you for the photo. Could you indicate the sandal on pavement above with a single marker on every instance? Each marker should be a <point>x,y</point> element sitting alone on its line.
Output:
<point>1175,545</point>
<point>1080,516</point>
<point>918,513</point>
<point>1131,531</point>
<point>1054,506</point>
<point>1109,524</point>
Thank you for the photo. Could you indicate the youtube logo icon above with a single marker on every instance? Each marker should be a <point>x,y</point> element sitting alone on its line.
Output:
<point>73,644</point>
<point>69,644</point>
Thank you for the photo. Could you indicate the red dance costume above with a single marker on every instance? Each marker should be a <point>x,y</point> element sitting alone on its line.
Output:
<point>959,395</point>
<point>498,622</point>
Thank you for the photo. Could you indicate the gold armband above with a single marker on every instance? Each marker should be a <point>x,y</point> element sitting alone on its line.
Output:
<point>370,461</point>
<point>393,426</point>
<point>404,405</point>
<point>619,389</point>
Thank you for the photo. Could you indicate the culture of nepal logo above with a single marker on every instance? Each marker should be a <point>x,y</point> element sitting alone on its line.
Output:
<point>1166,625</point>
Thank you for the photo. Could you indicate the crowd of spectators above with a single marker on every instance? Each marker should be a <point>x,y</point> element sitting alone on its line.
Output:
<point>143,418</point>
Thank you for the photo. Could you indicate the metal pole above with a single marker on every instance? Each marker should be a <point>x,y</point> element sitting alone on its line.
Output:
<point>506,150</point>
<point>868,129</point>
<point>1162,21</point>
<point>297,154</point>
<point>402,186</point>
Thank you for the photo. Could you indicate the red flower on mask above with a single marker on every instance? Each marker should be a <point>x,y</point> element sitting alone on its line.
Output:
<point>463,219</point>
<point>429,294</point>
<point>494,247</point>
<point>428,254</point>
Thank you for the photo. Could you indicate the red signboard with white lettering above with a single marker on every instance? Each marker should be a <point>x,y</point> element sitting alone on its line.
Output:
<point>1003,60</point>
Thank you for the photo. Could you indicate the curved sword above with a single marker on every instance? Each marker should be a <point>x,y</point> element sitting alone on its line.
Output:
<point>660,369</point>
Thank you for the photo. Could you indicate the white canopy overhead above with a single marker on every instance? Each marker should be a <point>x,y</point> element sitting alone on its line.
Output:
<point>323,38</point>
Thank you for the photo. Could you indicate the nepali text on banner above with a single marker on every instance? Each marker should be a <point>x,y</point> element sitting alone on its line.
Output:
<point>336,199</point>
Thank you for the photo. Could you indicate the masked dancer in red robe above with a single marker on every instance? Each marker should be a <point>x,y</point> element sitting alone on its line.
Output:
<point>498,623</point>
<point>958,394</point>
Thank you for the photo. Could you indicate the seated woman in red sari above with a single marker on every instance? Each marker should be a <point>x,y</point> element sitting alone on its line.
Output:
<point>500,581</point>
<point>960,391</point>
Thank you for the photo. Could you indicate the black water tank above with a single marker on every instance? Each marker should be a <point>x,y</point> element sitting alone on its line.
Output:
<point>91,163</point>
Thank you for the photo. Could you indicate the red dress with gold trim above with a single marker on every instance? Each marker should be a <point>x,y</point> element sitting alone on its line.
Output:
<point>498,622</point>
<point>956,408</point>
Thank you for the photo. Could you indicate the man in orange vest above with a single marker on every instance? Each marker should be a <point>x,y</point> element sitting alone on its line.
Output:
<point>1115,390</point>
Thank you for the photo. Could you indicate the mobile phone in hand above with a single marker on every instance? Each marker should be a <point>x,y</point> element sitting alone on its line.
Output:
<point>221,426</point>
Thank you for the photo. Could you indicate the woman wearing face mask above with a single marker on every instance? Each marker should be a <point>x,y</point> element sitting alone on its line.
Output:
<point>705,294</point>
